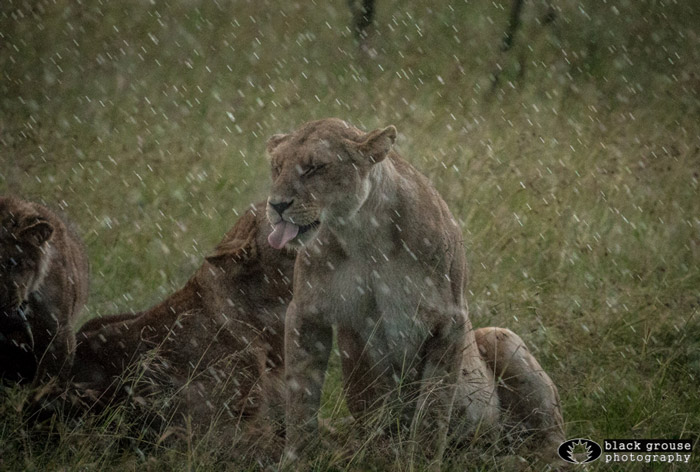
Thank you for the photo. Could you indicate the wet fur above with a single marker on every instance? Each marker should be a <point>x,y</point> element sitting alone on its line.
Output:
<point>387,268</point>
<point>49,291</point>
<point>215,345</point>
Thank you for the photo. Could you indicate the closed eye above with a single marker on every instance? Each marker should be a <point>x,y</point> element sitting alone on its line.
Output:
<point>312,169</point>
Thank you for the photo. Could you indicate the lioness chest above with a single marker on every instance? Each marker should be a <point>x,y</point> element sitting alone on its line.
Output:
<point>393,307</point>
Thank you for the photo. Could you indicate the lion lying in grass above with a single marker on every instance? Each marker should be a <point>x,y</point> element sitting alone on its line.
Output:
<point>43,286</point>
<point>381,259</point>
<point>214,347</point>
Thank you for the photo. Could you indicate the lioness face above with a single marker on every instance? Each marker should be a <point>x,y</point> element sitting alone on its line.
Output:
<point>22,256</point>
<point>320,174</point>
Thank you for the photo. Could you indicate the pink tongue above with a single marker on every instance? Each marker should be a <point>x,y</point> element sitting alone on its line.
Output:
<point>282,233</point>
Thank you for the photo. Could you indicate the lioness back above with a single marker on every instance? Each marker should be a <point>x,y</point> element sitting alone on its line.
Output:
<point>43,286</point>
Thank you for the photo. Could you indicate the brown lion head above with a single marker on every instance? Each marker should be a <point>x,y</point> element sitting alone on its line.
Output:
<point>320,174</point>
<point>23,252</point>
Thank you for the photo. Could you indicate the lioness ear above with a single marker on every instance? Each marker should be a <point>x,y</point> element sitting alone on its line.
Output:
<point>239,243</point>
<point>37,231</point>
<point>274,141</point>
<point>378,143</point>
<point>235,250</point>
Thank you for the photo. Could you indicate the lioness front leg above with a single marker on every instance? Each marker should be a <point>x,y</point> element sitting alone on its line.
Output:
<point>442,366</point>
<point>308,342</point>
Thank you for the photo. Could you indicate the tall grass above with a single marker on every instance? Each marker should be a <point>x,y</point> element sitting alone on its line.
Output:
<point>575,177</point>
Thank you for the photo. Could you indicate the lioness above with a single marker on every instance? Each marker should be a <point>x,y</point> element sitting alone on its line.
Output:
<point>43,286</point>
<point>381,258</point>
<point>216,344</point>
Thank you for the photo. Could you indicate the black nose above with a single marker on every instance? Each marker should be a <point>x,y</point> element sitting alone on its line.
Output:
<point>281,206</point>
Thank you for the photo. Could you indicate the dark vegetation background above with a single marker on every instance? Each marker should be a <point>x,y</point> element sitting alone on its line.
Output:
<point>571,160</point>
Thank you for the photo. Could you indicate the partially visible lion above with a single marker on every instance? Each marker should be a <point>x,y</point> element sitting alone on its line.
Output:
<point>382,260</point>
<point>43,286</point>
<point>528,399</point>
<point>214,347</point>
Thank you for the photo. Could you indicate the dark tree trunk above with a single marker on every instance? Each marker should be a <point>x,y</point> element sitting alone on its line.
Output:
<point>513,24</point>
<point>363,15</point>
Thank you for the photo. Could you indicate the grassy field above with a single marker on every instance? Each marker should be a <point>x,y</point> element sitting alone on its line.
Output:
<point>574,175</point>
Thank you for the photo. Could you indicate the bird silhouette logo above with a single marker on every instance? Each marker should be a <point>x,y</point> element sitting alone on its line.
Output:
<point>580,451</point>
